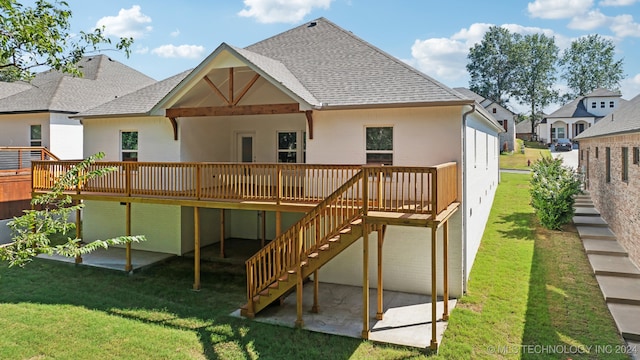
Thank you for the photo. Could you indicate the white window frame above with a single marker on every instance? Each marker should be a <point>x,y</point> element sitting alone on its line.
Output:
<point>376,151</point>
<point>130,151</point>
<point>34,141</point>
<point>300,149</point>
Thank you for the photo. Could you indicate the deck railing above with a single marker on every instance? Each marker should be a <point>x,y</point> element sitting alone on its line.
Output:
<point>426,190</point>
<point>17,159</point>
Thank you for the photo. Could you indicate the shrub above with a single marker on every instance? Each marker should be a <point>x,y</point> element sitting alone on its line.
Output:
<point>553,187</point>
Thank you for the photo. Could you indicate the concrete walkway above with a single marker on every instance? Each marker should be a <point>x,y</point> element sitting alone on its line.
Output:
<point>618,277</point>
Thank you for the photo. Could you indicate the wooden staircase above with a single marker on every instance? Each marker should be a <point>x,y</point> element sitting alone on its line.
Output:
<point>326,251</point>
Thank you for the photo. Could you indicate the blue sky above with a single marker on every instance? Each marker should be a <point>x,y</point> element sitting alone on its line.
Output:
<point>434,36</point>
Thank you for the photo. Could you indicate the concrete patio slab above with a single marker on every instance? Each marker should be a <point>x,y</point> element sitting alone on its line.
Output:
<point>594,232</point>
<point>613,266</point>
<point>620,290</point>
<point>589,221</point>
<point>586,211</point>
<point>603,247</point>
<point>115,258</point>
<point>627,317</point>
<point>406,320</point>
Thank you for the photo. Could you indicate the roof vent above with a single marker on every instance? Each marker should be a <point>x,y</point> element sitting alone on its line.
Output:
<point>312,24</point>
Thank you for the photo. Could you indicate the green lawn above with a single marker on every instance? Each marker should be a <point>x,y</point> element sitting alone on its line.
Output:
<point>528,287</point>
<point>518,161</point>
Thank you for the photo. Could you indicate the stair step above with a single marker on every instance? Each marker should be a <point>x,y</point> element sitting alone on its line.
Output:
<point>313,255</point>
<point>586,211</point>
<point>334,239</point>
<point>274,285</point>
<point>346,230</point>
<point>264,292</point>
<point>589,221</point>
<point>620,290</point>
<point>324,247</point>
<point>603,247</point>
<point>356,222</point>
<point>613,266</point>
<point>284,278</point>
<point>627,318</point>
<point>593,232</point>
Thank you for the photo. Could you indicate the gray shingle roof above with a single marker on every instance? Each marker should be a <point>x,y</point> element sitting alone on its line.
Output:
<point>103,79</point>
<point>470,94</point>
<point>138,102</point>
<point>626,119</point>
<point>573,109</point>
<point>600,92</point>
<point>340,69</point>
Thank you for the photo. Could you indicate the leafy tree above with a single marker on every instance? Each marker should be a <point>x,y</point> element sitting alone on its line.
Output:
<point>491,66</point>
<point>33,231</point>
<point>553,187</point>
<point>40,36</point>
<point>589,64</point>
<point>536,56</point>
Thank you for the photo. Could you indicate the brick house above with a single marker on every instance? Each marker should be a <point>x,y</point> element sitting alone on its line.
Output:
<point>610,158</point>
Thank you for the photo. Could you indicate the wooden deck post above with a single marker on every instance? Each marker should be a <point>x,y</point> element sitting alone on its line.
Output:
<point>78,259</point>
<point>263,225</point>
<point>222,233</point>
<point>380,311</point>
<point>365,280</point>
<point>434,289</point>
<point>196,250</point>
<point>316,288</point>
<point>445,274</point>
<point>128,266</point>
<point>299,322</point>
<point>278,223</point>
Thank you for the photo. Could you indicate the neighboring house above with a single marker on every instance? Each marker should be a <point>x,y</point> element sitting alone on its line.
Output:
<point>505,117</point>
<point>307,109</point>
<point>38,113</point>
<point>523,131</point>
<point>610,159</point>
<point>578,115</point>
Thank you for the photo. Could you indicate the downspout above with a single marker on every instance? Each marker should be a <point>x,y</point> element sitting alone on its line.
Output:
<point>464,197</point>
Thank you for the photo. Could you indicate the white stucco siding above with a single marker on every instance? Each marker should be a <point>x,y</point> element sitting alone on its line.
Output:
<point>66,137</point>
<point>482,176</point>
<point>215,139</point>
<point>209,228</point>
<point>159,223</point>
<point>155,138</point>
<point>16,128</point>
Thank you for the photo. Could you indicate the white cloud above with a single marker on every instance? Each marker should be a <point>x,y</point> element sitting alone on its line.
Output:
<point>446,58</point>
<point>617,2</point>
<point>592,20</point>
<point>141,50</point>
<point>558,9</point>
<point>129,23</point>
<point>442,58</point>
<point>175,33</point>
<point>284,11</point>
<point>179,51</point>
<point>624,25</point>
<point>630,87</point>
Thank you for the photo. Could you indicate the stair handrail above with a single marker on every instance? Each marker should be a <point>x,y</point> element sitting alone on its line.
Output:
<point>304,237</point>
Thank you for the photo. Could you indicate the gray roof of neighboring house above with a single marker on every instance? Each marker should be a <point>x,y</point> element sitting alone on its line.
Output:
<point>470,94</point>
<point>139,102</point>
<point>523,127</point>
<point>576,107</point>
<point>623,120</point>
<point>103,79</point>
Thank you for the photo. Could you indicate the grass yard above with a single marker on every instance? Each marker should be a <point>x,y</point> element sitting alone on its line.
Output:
<point>528,287</point>
<point>518,161</point>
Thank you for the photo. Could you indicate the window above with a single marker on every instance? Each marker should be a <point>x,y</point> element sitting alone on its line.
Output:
<point>129,145</point>
<point>379,145</point>
<point>636,155</point>
<point>593,104</point>
<point>596,152</point>
<point>608,163</point>
<point>625,164</point>
<point>611,104</point>
<point>35,135</point>
<point>494,110</point>
<point>287,147</point>
<point>505,125</point>
<point>602,104</point>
